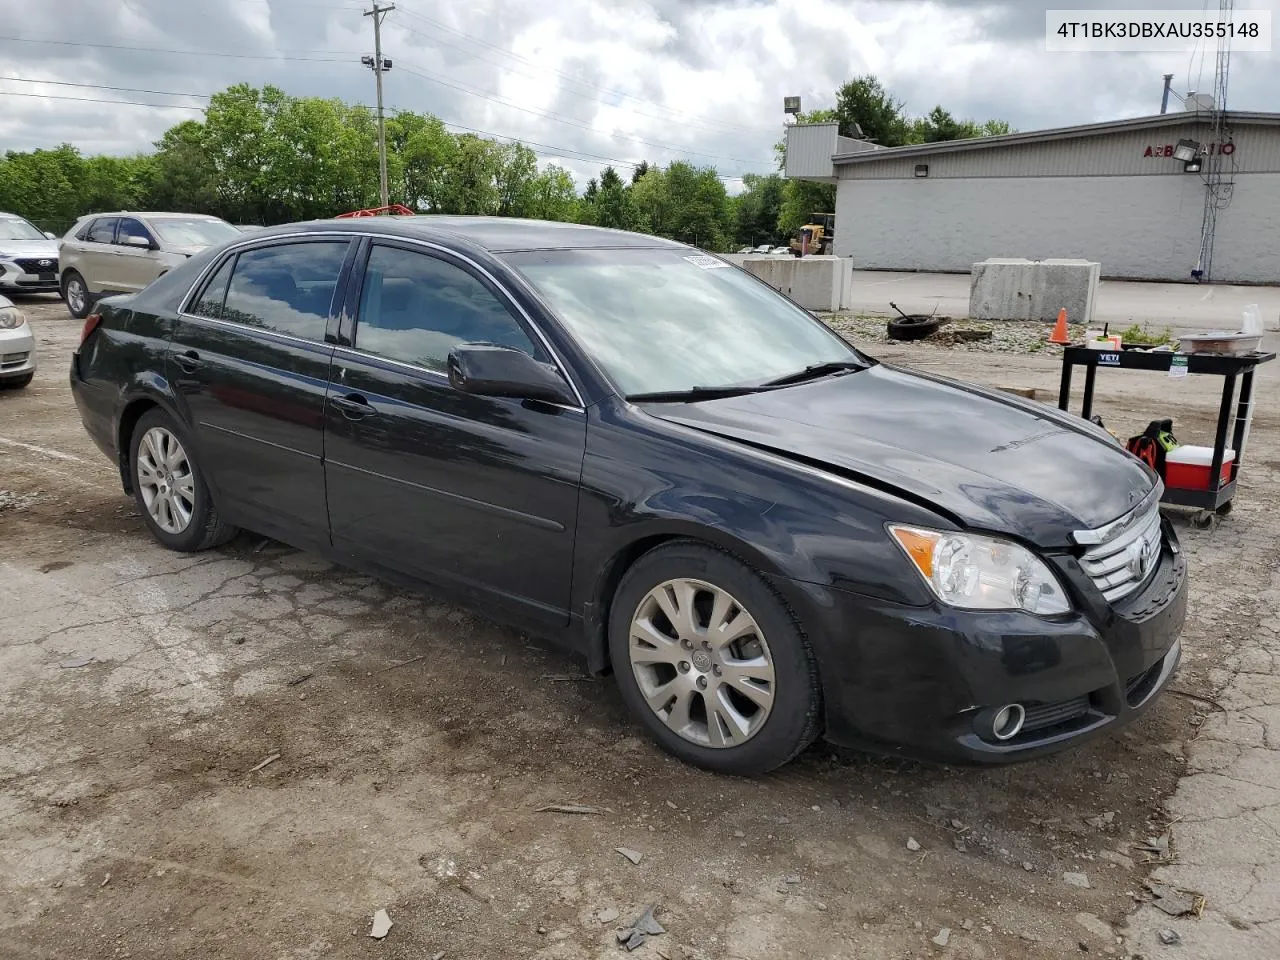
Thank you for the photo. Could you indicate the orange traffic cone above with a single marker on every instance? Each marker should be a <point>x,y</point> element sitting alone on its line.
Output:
<point>1059,334</point>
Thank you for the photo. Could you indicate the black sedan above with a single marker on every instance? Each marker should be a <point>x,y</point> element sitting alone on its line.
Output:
<point>652,458</point>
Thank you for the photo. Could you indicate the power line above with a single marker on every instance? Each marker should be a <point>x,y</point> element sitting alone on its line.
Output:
<point>195,53</point>
<point>123,103</point>
<point>103,86</point>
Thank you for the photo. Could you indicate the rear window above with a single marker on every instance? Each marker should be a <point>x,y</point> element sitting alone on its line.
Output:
<point>103,230</point>
<point>288,288</point>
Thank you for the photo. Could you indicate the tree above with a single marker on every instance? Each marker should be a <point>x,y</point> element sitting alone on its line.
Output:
<point>864,103</point>
<point>180,176</point>
<point>758,209</point>
<point>554,195</point>
<point>613,206</point>
<point>641,169</point>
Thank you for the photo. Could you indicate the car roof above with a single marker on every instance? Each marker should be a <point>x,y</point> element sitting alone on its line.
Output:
<point>493,234</point>
<point>149,214</point>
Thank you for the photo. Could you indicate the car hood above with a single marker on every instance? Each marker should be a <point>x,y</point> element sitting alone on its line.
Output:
<point>29,248</point>
<point>989,460</point>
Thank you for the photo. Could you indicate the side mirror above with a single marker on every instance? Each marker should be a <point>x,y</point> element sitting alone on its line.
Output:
<point>50,235</point>
<point>144,243</point>
<point>487,370</point>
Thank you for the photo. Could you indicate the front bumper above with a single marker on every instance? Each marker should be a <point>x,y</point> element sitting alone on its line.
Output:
<point>917,680</point>
<point>28,275</point>
<point>17,353</point>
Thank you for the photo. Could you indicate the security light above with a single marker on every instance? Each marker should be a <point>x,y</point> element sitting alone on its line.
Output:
<point>1192,166</point>
<point>791,105</point>
<point>1186,150</point>
<point>922,169</point>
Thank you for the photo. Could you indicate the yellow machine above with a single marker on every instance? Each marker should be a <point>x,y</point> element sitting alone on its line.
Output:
<point>817,236</point>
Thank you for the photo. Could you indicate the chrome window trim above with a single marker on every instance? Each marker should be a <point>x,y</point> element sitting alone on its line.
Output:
<point>1110,531</point>
<point>233,325</point>
<point>254,242</point>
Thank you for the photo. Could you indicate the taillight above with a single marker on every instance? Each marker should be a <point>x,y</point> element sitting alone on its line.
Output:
<point>90,324</point>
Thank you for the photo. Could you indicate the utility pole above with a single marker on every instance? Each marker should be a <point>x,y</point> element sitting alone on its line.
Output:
<point>1164,101</point>
<point>379,66</point>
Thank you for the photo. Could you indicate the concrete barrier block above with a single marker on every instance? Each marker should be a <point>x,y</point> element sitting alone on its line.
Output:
<point>816,283</point>
<point>1018,289</point>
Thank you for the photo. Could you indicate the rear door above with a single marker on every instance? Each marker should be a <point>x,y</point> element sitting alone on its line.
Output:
<point>250,365</point>
<point>134,266</point>
<point>477,493</point>
<point>96,254</point>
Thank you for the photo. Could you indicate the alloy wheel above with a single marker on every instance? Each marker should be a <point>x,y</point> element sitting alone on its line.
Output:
<point>702,663</point>
<point>166,480</point>
<point>75,295</point>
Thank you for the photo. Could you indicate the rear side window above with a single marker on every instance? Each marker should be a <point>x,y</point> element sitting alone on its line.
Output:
<point>102,231</point>
<point>415,308</point>
<point>214,294</point>
<point>288,288</point>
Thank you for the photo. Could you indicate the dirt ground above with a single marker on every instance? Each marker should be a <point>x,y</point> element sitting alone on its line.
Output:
<point>414,744</point>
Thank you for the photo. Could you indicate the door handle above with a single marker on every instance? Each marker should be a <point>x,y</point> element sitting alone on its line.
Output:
<point>189,361</point>
<point>353,406</point>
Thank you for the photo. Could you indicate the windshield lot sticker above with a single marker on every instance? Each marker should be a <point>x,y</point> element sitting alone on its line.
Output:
<point>705,262</point>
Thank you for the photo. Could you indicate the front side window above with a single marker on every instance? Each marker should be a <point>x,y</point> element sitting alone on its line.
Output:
<point>663,320</point>
<point>415,308</point>
<point>288,288</point>
<point>131,227</point>
<point>102,231</point>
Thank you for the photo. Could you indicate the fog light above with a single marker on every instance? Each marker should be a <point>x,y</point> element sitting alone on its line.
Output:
<point>1007,723</point>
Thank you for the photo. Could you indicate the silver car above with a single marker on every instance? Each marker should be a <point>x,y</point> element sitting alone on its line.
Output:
<point>122,252</point>
<point>17,346</point>
<point>28,257</point>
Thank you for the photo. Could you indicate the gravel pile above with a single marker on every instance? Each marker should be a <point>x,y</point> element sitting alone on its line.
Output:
<point>1008,336</point>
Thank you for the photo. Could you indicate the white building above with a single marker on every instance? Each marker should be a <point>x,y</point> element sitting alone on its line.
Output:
<point>1116,193</point>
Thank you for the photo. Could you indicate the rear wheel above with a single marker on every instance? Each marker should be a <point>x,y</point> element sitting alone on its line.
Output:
<point>168,486</point>
<point>712,662</point>
<point>76,294</point>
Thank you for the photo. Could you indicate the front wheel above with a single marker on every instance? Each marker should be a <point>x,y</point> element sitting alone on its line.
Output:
<point>76,294</point>
<point>712,662</point>
<point>170,490</point>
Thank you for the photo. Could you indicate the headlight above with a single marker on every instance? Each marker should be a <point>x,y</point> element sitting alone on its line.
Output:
<point>982,573</point>
<point>11,318</point>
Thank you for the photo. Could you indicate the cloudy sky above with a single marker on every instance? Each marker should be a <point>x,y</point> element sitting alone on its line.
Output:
<point>583,81</point>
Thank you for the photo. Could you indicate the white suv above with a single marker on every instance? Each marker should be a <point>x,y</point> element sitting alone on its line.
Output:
<point>108,253</point>
<point>28,257</point>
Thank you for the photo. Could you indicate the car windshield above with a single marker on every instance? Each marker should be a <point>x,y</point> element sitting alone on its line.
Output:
<point>11,228</point>
<point>179,232</point>
<point>667,321</point>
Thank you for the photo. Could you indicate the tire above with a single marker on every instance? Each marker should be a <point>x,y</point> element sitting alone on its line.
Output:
<point>782,665</point>
<point>75,289</point>
<point>916,329</point>
<point>153,480</point>
<point>17,383</point>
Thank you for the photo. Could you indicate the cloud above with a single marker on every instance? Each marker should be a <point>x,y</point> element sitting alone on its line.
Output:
<point>629,80</point>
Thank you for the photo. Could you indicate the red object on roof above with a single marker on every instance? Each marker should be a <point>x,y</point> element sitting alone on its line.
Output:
<point>395,209</point>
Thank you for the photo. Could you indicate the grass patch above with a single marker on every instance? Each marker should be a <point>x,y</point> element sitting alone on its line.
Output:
<point>1145,336</point>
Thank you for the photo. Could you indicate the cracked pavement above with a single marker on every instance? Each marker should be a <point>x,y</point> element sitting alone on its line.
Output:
<point>416,743</point>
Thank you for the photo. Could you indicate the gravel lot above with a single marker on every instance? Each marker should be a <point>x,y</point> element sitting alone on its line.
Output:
<point>415,743</point>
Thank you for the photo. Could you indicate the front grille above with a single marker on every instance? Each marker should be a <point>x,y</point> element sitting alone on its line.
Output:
<point>13,359</point>
<point>33,264</point>
<point>1041,716</point>
<point>1124,563</point>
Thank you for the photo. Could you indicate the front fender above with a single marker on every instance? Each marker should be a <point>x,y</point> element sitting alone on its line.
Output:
<point>646,481</point>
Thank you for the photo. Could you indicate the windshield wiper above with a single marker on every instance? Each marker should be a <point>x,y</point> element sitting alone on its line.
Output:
<point>692,394</point>
<point>814,371</point>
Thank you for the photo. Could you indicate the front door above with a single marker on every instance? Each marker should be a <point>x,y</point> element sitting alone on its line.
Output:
<point>476,493</point>
<point>250,364</point>
<point>134,266</point>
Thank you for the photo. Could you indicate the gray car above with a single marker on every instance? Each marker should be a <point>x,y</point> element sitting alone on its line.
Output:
<point>108,253</point>
<point>17,346</point>
<point>28,257</point>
